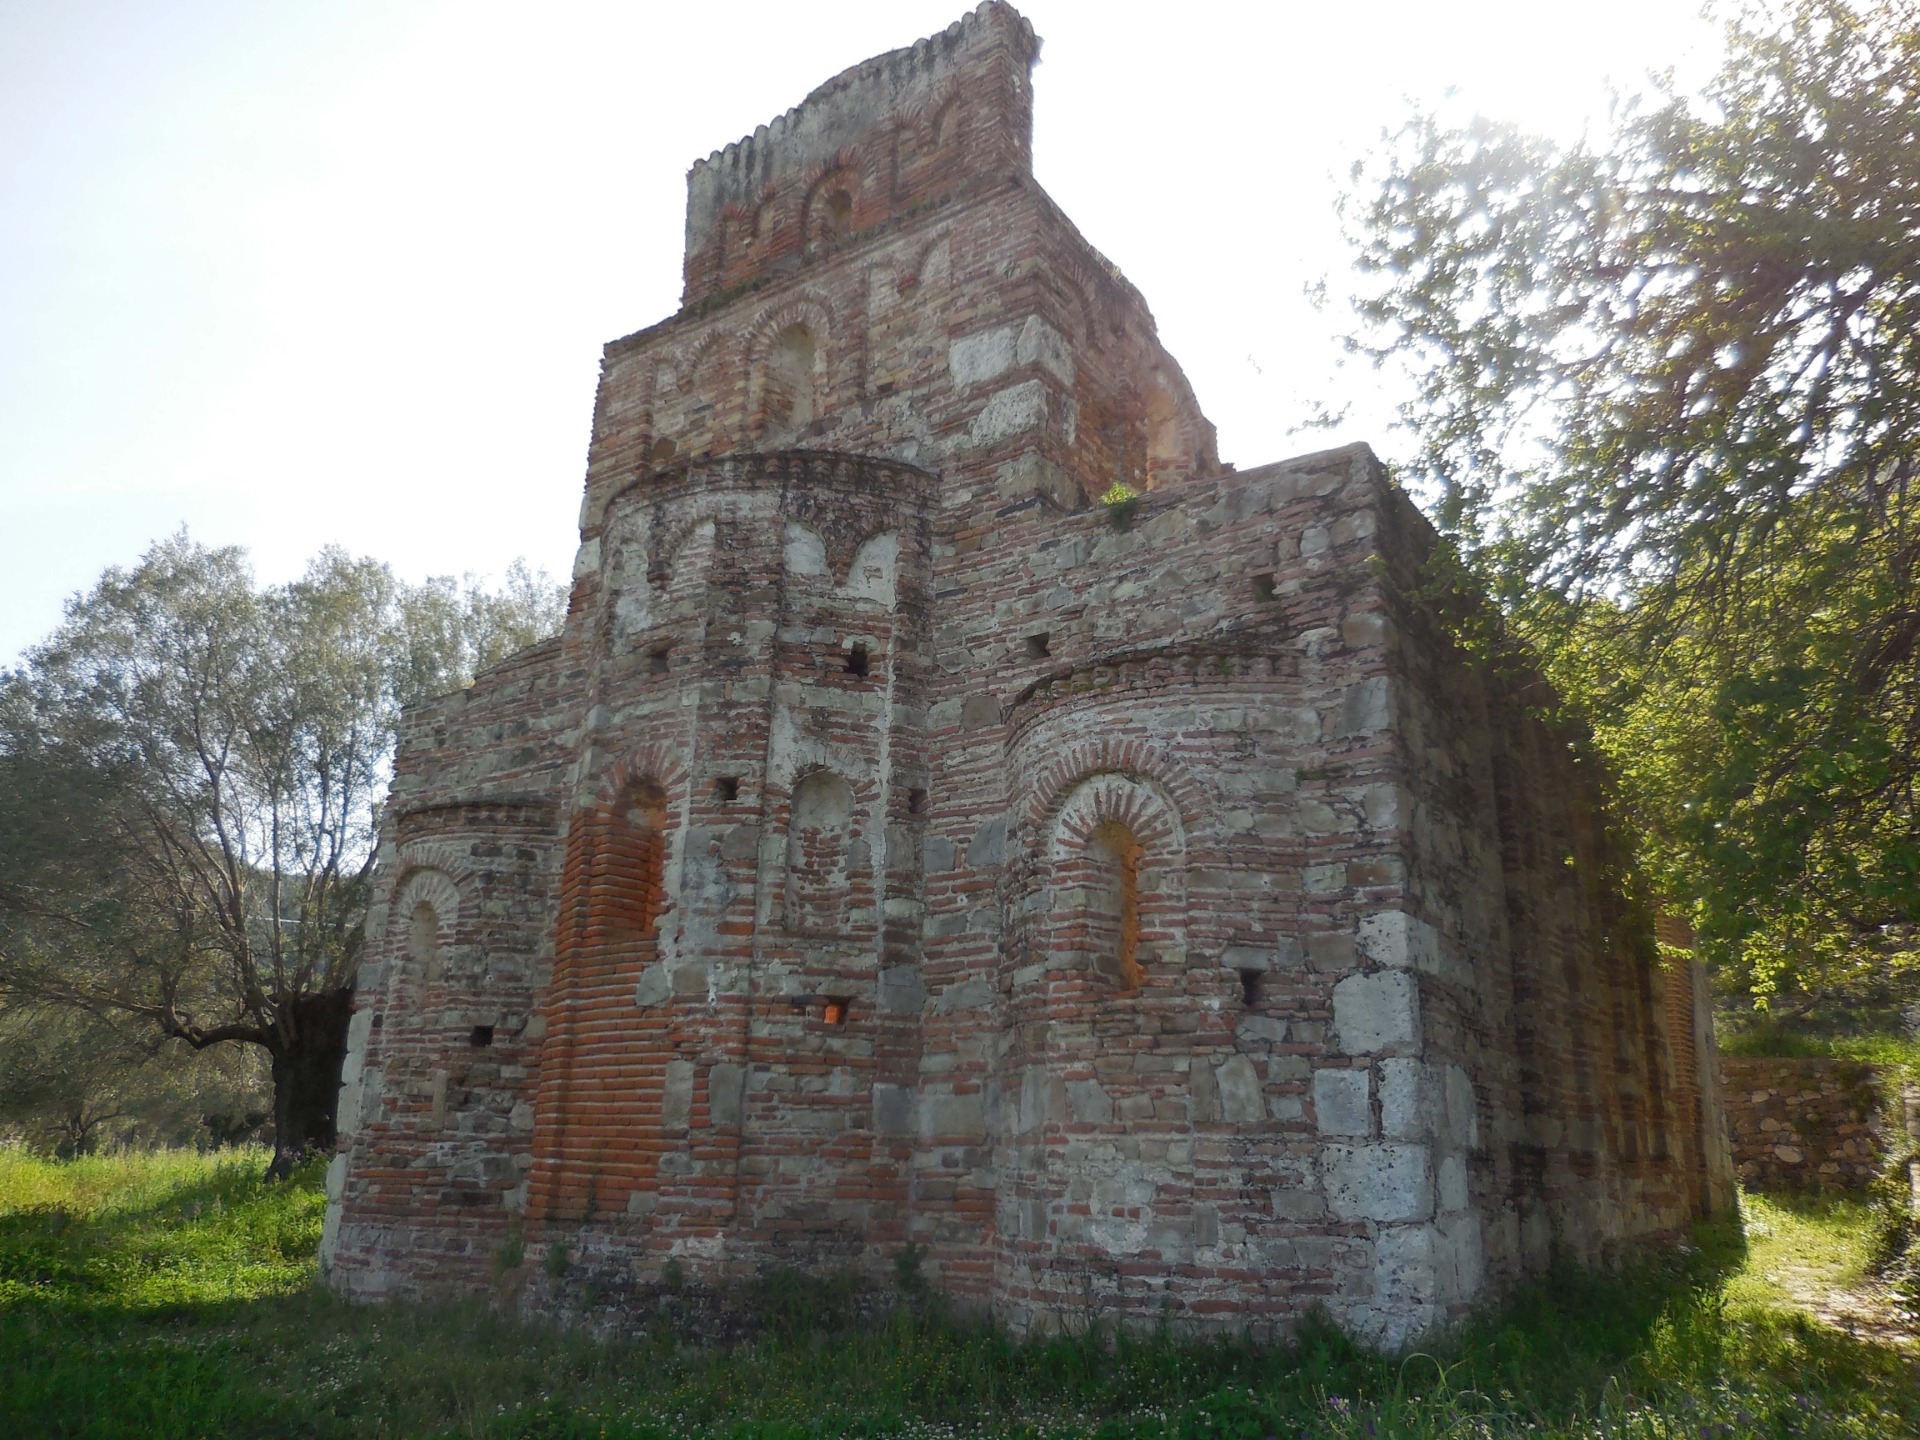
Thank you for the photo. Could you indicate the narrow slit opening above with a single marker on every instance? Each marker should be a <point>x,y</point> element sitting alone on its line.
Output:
<point>1250,988</point>
<point>859,659</point>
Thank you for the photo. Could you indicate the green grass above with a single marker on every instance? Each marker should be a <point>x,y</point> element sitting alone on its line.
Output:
<point>1895,1054</point>
<point>173,1296</point>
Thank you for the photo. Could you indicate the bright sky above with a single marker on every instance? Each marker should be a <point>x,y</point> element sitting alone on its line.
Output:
<point>292,274</point>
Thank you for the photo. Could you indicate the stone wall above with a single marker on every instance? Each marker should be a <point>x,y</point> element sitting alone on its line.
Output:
<point>1806,1124</point>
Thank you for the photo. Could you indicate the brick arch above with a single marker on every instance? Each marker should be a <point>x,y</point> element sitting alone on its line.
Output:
<point>1115,797</point>
<point>653,761</point>
<point>1184,795</point>
<point>666,545</point>
<point>687,364</point>
<point>431,855</point>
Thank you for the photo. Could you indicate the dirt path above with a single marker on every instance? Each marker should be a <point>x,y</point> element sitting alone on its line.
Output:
<point>1861,1308</point>
<point>1818,1267</point>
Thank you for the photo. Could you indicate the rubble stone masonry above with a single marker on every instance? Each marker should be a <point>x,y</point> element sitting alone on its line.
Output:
<point>1810,1124</point>
<point>1146,909</point>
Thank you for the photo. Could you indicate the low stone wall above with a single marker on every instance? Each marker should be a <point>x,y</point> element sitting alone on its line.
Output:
<point>1806,1124</point>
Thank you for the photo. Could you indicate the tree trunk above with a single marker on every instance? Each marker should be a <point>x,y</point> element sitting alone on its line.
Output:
<point>306,1078</point>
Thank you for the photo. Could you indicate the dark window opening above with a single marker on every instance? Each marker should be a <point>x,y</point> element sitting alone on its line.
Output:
<point>916,801</point>
<point>835,1012</point>
<point>1039,645</point>
<point>726,789</point>
<point>657,659</point>
<point>1263,587</point>
<point>482,1036</point>
<point>859,659</point>
<point>1250,988</point>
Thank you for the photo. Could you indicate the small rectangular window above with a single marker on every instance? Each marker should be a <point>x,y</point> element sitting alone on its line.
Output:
<point>859,659</point>
<point>1250,988</point>
<point>481,1037</point>
<point>916,801</point>
<point>726,789</point>
<point>1263,587</point>
<point>1039,645</point>
<point>657,659</point>
<point>835,1011</point>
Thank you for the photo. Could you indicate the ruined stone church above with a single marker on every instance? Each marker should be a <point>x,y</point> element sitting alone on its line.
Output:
<point>1139,905</point>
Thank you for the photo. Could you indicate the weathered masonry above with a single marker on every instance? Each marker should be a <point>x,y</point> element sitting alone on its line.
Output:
<point>1145,909</point>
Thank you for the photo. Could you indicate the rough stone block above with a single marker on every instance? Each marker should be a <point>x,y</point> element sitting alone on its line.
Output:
<point>1343,1102</point>
<point>1241,1102</point>
<point>1378,1182</point>
<point>1376,1011</point>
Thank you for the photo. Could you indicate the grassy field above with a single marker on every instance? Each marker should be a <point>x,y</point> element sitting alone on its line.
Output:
<point>174,1296</point>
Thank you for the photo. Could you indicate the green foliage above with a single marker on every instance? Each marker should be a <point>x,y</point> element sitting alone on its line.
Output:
<point>190,773</point>
<point>71,1081</point>
<point>171,1296</point>
<point>1121,500</point>
<point>1666,392</point>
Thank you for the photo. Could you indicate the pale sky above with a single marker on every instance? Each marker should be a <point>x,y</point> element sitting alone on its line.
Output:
<point>299,273</point>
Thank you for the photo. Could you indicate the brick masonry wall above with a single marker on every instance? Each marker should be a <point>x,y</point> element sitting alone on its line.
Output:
<point>765,917</point>
<point>1804,1124</point>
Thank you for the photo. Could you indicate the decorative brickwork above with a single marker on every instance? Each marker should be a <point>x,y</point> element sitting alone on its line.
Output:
<point>1150,914</point>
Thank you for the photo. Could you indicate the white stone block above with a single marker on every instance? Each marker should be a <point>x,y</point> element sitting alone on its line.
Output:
<point>676,1099</point>
<point>1010,411</point>
<point>1373,1012</point>
<point>1342,1102</point>
<point>1463,1113</point>
<point>1378,1182</point>
<point>806,551</point>
<point>1040,344</point>
<point>1400,940</point>
<point>974,358</point>
<point>1410,1102</point>
<point>1453,1183</point>
<point>1089,1102</point>
<point>1240,1098</point>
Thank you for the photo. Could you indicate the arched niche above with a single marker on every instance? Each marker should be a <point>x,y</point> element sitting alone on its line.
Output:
<point>423,914</point>
<point>874,573</point>
<point>790,382</point>
<point>805,550</point>
<point>819,875</point>
<point>1114,881</point>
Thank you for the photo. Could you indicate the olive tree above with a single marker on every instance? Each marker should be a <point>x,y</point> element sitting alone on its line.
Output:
<point>193,767</point>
